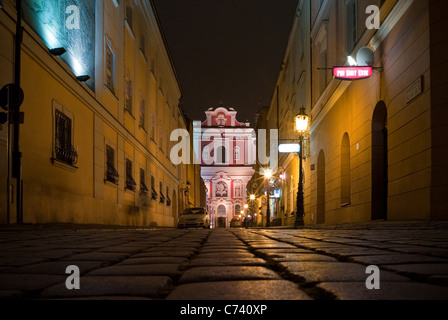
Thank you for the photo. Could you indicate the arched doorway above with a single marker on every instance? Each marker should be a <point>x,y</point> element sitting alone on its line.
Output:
<point>380,162</point>
<point>221,223</point>
<point>345,170</point>
<point>320,217</point>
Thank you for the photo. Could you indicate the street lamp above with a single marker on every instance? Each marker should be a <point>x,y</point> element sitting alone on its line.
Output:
<point>268,176</point>
<point>302,127</point>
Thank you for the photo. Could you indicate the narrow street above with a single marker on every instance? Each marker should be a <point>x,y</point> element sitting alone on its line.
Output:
<point>323,263</point>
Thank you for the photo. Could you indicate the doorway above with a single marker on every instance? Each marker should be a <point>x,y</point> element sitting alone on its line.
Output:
<point>380,162</point>
<point>221,222</point>
<point>320,217</point>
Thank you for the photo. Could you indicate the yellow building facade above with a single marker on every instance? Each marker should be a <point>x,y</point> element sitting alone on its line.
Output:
<point>377,147</point>
<point>95,151</point>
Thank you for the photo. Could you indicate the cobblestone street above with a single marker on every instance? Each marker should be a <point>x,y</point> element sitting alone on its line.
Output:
<point>323,263</point>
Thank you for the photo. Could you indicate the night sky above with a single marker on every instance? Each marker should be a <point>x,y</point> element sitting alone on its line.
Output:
<point>226,52</point>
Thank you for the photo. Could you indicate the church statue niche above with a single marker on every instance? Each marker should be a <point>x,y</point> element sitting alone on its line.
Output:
<point>221,190</point>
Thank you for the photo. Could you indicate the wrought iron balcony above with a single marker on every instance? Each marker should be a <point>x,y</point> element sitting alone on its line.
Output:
<point>67,154</point>
<point>112,175</point>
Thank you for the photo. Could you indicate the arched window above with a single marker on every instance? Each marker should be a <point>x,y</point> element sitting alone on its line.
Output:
<point>221,210</point>
<point>220,156</point>
<point>237,209</point>
<point>345,170</point>
<point>206,153</point>
<point>237,153</point>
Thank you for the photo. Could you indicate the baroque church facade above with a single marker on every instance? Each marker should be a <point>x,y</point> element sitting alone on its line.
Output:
<point>227,154</point>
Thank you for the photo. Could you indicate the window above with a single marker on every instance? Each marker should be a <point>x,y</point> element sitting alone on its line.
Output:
<point>206,153</point>
<point>162,197</point>
<point>110,69</point>
<point>143,44</point>
<point>237,210</point>
<point>141,122</point>
<point>237,153</point>
<point>352,24</point>
<point>143,187</point>
<point>168,200</point>
<point>221,155</point>
<point>111,173</point>
<point>129,15</point>
<point>130,182</point>
<point>161,135</point>
<point>153,126</point>
<point>237,190</point>
<point>128,93</point>
<point>153,190</point>
<point>63,148</point>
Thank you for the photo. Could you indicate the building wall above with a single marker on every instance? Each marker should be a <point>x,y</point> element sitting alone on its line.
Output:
<point>290,95</point>
<point>390,125</point>
<point>6,77</point>
<point>340,108</point>
<point>100,113</point>
<point>439,117</point>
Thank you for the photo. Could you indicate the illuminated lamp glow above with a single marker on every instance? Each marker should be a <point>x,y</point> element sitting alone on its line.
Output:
<point>352,73</point>
<point>352,62</point>
<point>76,66</point>
<point>49,38</point>
<point>268,174</point>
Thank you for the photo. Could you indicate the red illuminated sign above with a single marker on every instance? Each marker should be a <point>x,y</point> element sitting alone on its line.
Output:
<point>352,73</point>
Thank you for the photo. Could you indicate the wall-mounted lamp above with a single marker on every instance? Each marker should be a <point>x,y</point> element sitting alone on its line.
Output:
<point>83,78</point>
<point>58,51</point>
<point>352,62</point>
<point>186,190</point>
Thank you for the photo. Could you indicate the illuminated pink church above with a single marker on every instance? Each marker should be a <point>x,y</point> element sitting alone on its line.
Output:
<point>228,152</point>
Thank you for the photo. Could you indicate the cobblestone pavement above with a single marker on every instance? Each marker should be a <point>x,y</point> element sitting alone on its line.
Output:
<point>326,262</point>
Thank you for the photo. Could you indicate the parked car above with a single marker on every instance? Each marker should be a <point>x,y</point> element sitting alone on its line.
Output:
<point>194,218</point>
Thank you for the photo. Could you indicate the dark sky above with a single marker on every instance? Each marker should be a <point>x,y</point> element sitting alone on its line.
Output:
<point>226,51</point>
